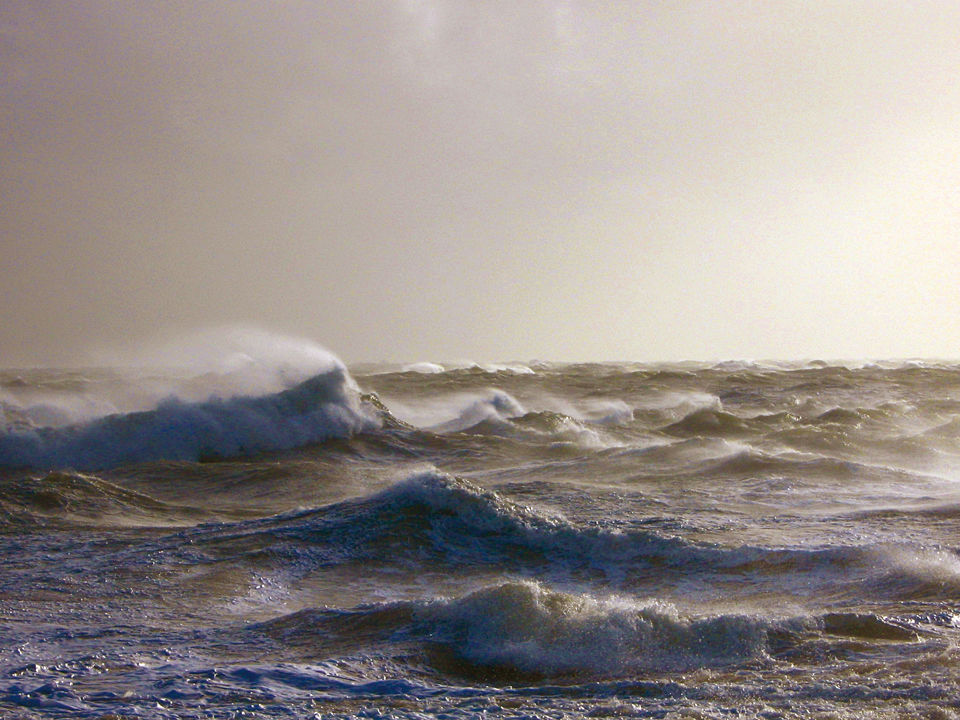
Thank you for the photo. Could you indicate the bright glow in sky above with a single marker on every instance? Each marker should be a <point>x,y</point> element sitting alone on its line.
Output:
<point>419,180</point>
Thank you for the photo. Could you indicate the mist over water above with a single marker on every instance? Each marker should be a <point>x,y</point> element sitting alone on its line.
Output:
<point>236,523</point>
<point>230,523</point>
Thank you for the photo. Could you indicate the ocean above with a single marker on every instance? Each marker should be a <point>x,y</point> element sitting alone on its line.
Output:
<point>525,540</point>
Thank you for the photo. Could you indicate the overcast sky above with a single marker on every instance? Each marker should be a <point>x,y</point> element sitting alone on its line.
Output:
<point>419,180</point>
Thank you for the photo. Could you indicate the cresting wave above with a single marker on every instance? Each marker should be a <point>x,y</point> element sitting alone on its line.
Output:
<point>495,412</point>
<point>324,406</point>
<point>749,540</point>
<point>431,520</point>
<point>527,630</point>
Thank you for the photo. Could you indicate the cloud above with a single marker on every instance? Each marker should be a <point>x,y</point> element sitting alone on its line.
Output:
<point>340,168</point>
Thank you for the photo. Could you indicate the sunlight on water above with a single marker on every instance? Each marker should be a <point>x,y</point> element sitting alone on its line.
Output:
<point>446,541</point>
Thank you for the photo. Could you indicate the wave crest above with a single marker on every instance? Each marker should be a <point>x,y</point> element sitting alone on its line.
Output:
<point>528,628</point>
<point>326,405</point>
<point>432,519</point>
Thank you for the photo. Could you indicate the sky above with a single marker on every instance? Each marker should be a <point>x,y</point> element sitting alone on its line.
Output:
<point>424,180</point>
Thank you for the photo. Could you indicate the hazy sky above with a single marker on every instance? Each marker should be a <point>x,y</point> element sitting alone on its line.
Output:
<point>419,180</point>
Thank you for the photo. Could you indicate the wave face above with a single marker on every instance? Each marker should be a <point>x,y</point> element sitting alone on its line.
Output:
<point>254,530</point>
<point>451,522</point>
<point>525,628</point>
<point>432,522</point>
<point>322,407</point>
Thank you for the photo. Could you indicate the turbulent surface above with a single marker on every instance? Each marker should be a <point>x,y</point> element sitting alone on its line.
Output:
<point>607,540</point>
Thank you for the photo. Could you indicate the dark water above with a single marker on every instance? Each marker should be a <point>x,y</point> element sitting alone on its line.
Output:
<point>736,540</point>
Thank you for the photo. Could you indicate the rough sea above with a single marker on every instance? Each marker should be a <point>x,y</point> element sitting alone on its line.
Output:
<point>539,540</point>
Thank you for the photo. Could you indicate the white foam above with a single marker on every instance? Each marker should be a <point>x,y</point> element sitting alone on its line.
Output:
<point>236,359</point>
<point>490,367</point>
<point>513,368</point>
<point>427,368</point>
<point>231,391</point>
<point>595,411</point>
<point>682,403</point>
<point>225,362</point>
<point>457,412</point>
<point>527,627</point>
<point>924,564</point>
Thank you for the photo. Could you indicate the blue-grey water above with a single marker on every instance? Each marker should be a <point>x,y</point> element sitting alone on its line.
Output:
<point>541,540</point>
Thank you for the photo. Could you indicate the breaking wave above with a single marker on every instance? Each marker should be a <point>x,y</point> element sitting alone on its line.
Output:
<point>527,630</point>
<point>427,368</point>
<point>495,406</point>
<point>324,406</point>
<point>530,629</point>
<point>498,413</point>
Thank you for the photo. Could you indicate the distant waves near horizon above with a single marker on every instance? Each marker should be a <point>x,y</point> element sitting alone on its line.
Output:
<point>283,537</point>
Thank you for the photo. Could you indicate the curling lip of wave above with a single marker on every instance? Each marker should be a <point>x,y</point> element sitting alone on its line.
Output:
<point>324,406</point>
<point>496,412</point>
<point>495,405</point>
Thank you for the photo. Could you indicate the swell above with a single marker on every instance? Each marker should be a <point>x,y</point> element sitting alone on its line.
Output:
<point>432,521</point>
<point>322,407</point>
<point>86,499</point>
<point>715,421</point>
<point>804,466</point>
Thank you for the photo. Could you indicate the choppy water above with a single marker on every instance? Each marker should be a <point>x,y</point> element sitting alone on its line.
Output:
<point>522,541</point>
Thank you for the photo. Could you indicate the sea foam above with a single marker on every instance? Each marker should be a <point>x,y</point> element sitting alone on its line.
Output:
<point>319,408</point>
<point>531,628</point>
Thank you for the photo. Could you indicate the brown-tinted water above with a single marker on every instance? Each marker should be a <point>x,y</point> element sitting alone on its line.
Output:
<point>753,540</point>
